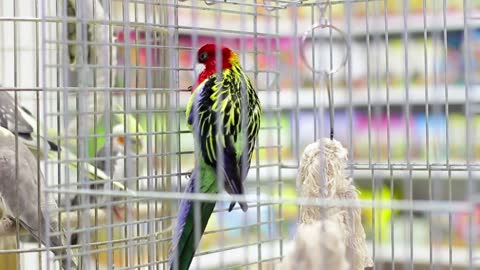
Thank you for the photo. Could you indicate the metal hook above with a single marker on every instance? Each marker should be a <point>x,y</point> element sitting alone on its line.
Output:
<point>270,7</point>
<point>210,2</point>
<point>331,109</point>
<point>322,7</point>
<point>327,74</point>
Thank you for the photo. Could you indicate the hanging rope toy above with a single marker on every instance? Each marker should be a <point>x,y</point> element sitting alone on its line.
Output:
<point>321,175</point>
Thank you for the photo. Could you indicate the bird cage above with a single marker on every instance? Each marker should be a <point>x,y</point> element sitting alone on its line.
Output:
<point>366,155</point>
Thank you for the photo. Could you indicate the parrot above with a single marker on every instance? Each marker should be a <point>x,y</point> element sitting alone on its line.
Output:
<point>72,37</point>
<point>120,147</point>
<point>26,130</point>
<point>119,150</point>
<point>232,102</point>
<point>17,194</point>
<point>26,126</point>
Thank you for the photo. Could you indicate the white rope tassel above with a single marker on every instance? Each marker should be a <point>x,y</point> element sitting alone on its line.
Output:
<point>321,175</point>
<point>320,244</point>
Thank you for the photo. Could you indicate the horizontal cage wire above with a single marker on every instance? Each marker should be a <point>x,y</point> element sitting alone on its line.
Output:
<point>228,134</point>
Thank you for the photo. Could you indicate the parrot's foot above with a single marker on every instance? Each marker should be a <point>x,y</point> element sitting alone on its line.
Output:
<point>243,206</point>
<point>189,174</point>
<point>119,212</point>
<point>6,224</point>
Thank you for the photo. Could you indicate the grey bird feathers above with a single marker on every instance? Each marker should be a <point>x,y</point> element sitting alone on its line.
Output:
<point>22,123</point>
<point>18,181</point>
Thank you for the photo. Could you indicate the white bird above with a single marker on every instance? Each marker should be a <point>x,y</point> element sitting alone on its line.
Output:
<point>18,186</point>
<point>124,148</point>
<point>24,125</point>
<point>122,151</point>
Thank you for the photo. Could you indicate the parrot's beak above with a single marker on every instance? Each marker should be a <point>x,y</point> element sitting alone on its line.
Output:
<point>120,140</point>
<point>199,68</point>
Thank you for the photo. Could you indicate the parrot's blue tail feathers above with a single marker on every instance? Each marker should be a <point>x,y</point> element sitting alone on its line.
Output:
<point>191,223</point>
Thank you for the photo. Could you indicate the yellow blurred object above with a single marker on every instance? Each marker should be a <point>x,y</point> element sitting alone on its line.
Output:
<point>139,254</point>
<point>290,211</point>
<point>8,260</point>
<point>382,216</point>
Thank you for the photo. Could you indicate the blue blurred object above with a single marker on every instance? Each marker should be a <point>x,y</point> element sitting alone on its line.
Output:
<point>437,126</point>
<point>238,218</point>
<point>474,55</point>
<point>453,63</point>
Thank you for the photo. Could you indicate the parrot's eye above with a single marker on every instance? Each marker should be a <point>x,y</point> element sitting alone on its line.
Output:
<point>202,57</point>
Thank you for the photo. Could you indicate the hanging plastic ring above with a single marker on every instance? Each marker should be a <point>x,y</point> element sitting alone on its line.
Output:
<point>308,34</point>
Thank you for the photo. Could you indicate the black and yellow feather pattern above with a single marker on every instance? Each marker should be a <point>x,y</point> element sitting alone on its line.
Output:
<point>233,102</point>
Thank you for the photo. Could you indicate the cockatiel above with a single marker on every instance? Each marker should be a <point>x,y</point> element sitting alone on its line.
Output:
<point>24,125</point>
<point>120,147</point>
<point>119,150</point>
<point>223,110</point>
<point>18,187</point>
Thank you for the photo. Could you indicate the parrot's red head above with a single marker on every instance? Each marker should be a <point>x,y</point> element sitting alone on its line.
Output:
<point>207,56</point>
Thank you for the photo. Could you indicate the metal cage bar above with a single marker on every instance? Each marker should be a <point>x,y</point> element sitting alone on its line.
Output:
<point>105,82</point>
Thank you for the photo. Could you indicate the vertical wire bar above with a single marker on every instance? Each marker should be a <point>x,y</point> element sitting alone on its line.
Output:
<point>175,84</point>
<point>82,101</point>
<point>407,120</point>
<point>43,80</point>
<point>109,164</point>
<point>220,126</point>
<point>129,152</point>
<point>135,152</point>
<point>447,128</point>
<point>471,183</point>
<point>196,135</point>
<point>427,132</point>
<point>15,97</point>
<point>78,54</point>
<point>59,29</point>
<point>126,111</point>
<point>64,96</point>
<point>369,116</point>
<point>257,151</point>
<point>162,101</point>
<point>377,115</point>
<point>38,128</point>
<point>348,21</point>
<point>95,107</point>
<point>244,132</point>
<point>161,252</point>
<point>314,78</point>
<point>436,108</point>
<point>149,105</point>
<point>389,146</point>
<point>244,117</point>
<point>296,85</point>
<point>132,172</point>
<point>278,124</point>
<point>167,167</point>
<point>108,102</point>
<point>268,55</point>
